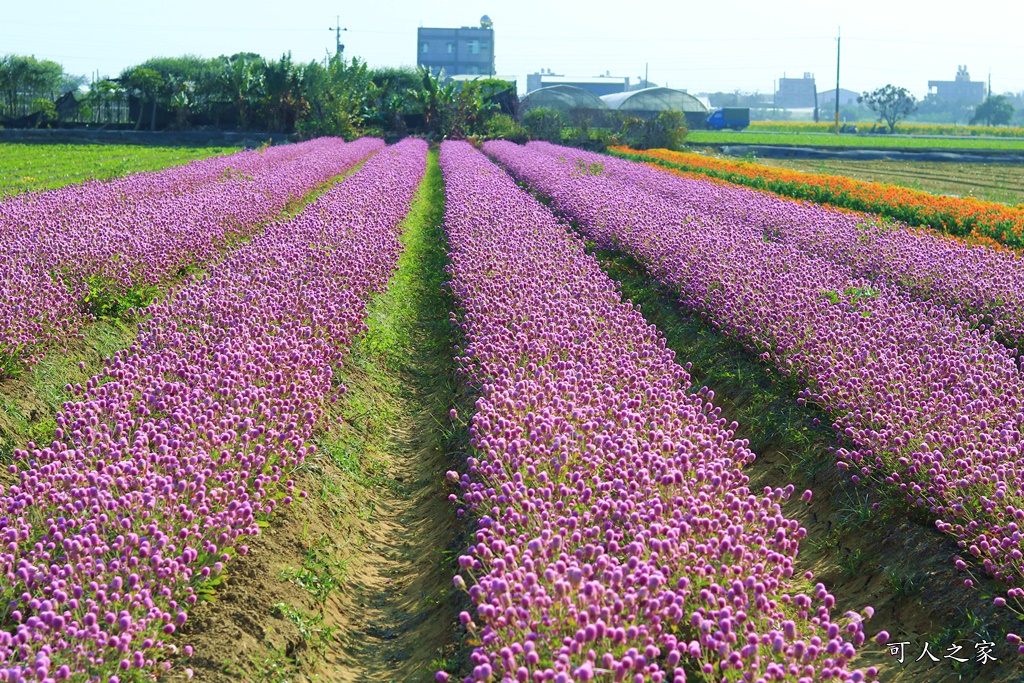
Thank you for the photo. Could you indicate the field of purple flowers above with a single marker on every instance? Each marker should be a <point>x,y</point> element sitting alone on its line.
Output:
<point>82,251</point>
<point>611,531</point>
<point>923,400</point>
<point>616,535</point>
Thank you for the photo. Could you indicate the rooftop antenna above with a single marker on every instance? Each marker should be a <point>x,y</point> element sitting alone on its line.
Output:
<point>337,33</point>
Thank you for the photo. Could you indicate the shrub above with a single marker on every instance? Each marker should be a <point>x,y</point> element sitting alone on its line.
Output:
<point>597,140</point>
<point>504,127</point>
<point>667,130</point>
<point>544,123</point>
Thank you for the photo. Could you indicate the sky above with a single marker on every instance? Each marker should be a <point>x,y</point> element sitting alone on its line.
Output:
<point>715,45</point>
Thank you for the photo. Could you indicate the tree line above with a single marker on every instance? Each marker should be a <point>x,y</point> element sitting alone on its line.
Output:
<point>246,91</point>
<point>893,104</point>
<point>348,98</point>
<point>28,85</point>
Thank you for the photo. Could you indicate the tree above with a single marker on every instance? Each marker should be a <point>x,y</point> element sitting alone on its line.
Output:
<point>390,98</point>
<point>45,111</point>
<point>435,99</point>
<point>242,81</point>
<point>994,111</point>
<point>146,84</point>
<point>336,95</point>
<point>890,103</point>
<point>25,80</point>
<point>284,95</point>
<point>933,109</point>
<point>187,84</point>
<point>666,131</point>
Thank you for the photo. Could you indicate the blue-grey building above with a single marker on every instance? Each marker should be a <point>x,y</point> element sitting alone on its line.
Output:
<point>797,93</point>
<point>962,89</point>
<point>467,50</point>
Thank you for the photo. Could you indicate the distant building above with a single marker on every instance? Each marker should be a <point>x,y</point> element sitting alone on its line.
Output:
<point>797,93</point>
<point>467,50</point>
<point>598,85</point>
<point>847,98</point>
<point>643,84</point>
<point>962,89</point>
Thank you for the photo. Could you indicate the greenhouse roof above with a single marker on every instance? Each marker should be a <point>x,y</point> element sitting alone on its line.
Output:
<point>655,99</point>
<point>563,98</point>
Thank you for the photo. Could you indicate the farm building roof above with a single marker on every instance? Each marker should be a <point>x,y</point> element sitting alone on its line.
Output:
<point>655,99</point>
<point>563,98</point>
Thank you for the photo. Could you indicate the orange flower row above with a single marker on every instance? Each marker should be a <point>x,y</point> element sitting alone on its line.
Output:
<point>960,216</point>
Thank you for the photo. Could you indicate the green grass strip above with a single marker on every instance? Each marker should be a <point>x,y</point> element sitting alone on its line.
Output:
<point>27,168</point>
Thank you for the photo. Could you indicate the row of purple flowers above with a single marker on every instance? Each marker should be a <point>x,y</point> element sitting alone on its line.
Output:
<point>616,536</point>
<point>982,285</point>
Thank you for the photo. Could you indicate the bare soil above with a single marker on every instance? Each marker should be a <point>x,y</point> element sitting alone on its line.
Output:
<point>352,583</point>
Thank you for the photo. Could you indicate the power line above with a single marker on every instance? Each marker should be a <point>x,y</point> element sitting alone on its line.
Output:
<point>617,38</point>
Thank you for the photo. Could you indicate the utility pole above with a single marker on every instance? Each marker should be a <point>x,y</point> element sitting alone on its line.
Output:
<point>337,33</point>
<point>990,82</point>
<point>646,84</point>
<point>839,37</point>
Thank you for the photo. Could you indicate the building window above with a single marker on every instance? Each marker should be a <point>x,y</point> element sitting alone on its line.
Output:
<point>474,47</point>
<point>424,47</point>
<point>485,45</point>
<point>472,70</point>
<point>451,48</point>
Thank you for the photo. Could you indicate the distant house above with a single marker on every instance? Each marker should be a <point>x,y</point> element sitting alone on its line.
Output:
<point>797,93</point>
<point>961,89</point>
<point>467,50</point>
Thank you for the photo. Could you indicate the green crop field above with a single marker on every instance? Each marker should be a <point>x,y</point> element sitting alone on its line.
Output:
<point>708,137</point>
<point>988,182</point>
<point>42,167</point>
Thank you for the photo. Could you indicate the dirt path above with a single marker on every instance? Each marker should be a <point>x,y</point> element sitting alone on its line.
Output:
<point>354,583</point>
<point>396,607</point>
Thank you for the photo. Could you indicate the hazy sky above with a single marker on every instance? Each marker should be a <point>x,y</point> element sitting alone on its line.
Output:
<point>700,46</point>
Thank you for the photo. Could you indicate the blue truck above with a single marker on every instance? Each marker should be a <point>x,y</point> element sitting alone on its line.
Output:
<point>736,118</point>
